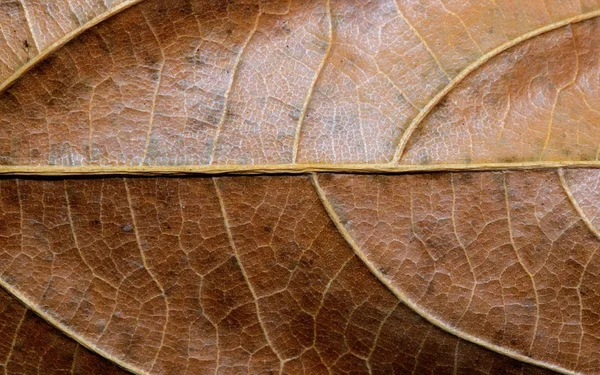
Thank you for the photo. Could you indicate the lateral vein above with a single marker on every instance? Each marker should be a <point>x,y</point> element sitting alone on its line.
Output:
<point>472,67</point>
<point>412,305</point>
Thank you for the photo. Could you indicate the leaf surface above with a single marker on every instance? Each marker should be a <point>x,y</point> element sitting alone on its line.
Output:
<point>482,260</point>
<point>199,83</point>
<point>30,345</point>
<point>34,29</point>
<point>201,275</point>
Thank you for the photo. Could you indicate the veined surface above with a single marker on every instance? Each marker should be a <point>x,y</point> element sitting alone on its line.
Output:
<point>433,207</point>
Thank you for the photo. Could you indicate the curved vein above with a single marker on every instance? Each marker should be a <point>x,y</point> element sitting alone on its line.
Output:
<point>558,94</point>
<point>30,25</point>
<point>421,39</point>
<point>154,94</point>
<point>472,67</point>
<point>595,232</point>
<point>244,274</point>
<point>234,73</point>
<point>14,341</point>
<point>64,40</point>
<point>523,266</point>
<point>150,273</point>
<point>576,204</point>
<point>313,84</point>
<point>67,331</point>
<point>464,249</point>
<point>411,304</point>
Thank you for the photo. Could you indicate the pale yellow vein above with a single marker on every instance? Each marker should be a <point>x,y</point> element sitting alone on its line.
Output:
<point>520,260</point>
<point>556,99</point>
<point>412,305</point>
<point>234,73</point>
<point>596,233</point>
<point>423,41</point>
<point>244,274</point>
<point>155,93</point>
<point>472,67</point>
<point>14,340</point>
<point>64,40</point>
<point>30,25</point>
<point>313,85</point>
<point>147,268</point>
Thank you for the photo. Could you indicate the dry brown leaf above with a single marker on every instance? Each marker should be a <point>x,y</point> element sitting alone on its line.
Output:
<point>29,345</point>
<point>33,29</point>
<point>483,260</point>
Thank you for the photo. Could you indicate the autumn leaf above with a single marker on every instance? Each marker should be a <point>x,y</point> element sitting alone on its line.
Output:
<point>360,187</point>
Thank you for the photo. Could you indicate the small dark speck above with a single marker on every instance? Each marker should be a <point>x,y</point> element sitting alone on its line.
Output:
<point>127,227</point>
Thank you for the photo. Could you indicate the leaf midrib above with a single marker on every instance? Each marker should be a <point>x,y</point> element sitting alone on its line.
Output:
<point>269,169</point>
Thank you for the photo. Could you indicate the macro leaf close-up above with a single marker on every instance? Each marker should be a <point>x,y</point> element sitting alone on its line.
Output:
<point>300,187</point>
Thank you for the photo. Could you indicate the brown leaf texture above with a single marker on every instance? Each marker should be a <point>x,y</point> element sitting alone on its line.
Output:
<point>29,345</point>
<point>235,275</point>
<point>33,29</point>
<point>482,260</point>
